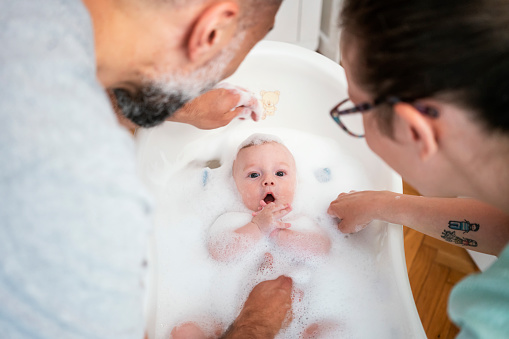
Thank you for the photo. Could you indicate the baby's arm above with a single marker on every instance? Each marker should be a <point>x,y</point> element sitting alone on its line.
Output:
<point>307,239</point>
<point>223,243</point>
<point>226,241</point>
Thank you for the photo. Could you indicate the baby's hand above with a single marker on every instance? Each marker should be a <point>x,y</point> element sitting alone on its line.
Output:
<point>268,218</point>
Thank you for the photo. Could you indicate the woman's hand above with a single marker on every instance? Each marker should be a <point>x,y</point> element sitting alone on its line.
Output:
<point>357,209</point>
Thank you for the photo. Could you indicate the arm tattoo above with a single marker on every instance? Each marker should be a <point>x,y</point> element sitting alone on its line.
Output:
<point>465,226</point>
<point>451,236</point>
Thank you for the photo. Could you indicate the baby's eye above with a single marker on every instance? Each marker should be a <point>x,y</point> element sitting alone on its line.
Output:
<point>280,173</point>
<point>253,175</point>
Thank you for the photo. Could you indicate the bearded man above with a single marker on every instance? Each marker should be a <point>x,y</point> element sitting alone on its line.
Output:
<point>74,216</point>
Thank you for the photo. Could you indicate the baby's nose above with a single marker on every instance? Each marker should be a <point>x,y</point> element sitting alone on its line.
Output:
<point>268,182</point>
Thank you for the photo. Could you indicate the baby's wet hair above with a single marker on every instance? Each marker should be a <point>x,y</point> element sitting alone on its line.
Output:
<point>257,139</point>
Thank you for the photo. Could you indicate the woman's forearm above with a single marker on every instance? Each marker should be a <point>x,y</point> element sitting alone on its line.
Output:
<point>463,222</point>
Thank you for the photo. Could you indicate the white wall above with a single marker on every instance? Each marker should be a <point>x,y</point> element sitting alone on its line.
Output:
<point>298,22</point>
<point>312,24</point>
<point>329,29</point>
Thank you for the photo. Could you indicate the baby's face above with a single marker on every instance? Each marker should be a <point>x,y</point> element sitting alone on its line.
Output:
<point>265,172</point>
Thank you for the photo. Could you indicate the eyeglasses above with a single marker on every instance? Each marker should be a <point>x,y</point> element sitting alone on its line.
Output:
<point>347,108</point>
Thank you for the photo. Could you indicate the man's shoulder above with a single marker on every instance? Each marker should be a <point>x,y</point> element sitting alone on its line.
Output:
<point>31,21</point>
<point>74,215</point>
<point>44,47</point>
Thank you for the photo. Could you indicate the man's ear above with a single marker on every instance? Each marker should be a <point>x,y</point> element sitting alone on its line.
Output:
<point>417,129</point>
<point>213,30</point>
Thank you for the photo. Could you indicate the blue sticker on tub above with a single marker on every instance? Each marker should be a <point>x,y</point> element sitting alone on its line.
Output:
<point>205,177</point>
<point>323,174</point>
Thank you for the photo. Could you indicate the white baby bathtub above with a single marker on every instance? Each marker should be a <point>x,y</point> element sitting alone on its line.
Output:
<point>309,85</point>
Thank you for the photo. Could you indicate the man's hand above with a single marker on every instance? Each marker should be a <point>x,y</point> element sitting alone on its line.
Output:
<point>264,311</point>
<point>217,107</point>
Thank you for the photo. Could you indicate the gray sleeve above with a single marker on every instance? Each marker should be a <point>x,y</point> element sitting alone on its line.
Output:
<point>74,218</point>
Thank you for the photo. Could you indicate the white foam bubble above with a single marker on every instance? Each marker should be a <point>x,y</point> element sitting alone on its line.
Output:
<point>259,139</point>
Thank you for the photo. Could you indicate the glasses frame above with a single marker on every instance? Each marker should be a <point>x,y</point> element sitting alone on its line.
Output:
<point>362,108</point>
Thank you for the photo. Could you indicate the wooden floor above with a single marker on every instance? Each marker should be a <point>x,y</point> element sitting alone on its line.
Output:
<point>434,267</point>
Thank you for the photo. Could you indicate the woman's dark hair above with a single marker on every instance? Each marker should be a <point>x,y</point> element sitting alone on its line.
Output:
<point>454,49</point>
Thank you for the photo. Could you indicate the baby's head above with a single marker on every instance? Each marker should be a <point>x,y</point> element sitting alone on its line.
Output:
<point>264,169</point>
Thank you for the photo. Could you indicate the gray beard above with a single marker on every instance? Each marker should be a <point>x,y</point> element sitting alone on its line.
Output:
<point>150,106</point>
<point>158,100</point>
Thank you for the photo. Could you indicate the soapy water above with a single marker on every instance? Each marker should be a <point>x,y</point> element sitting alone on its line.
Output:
<point>349,292</point>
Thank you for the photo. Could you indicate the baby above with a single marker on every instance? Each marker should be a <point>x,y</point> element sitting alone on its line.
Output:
<point>264,172</point>
<point>265,175</point>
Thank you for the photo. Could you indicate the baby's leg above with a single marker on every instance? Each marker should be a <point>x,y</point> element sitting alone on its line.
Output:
<point>321,329</point>
<point>191,330</point>
<point>267,266</point>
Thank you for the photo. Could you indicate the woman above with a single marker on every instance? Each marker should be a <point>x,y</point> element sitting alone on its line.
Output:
<point>431,79</point>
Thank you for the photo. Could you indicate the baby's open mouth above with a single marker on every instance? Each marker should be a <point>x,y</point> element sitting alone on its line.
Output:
<point>269,198</point>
